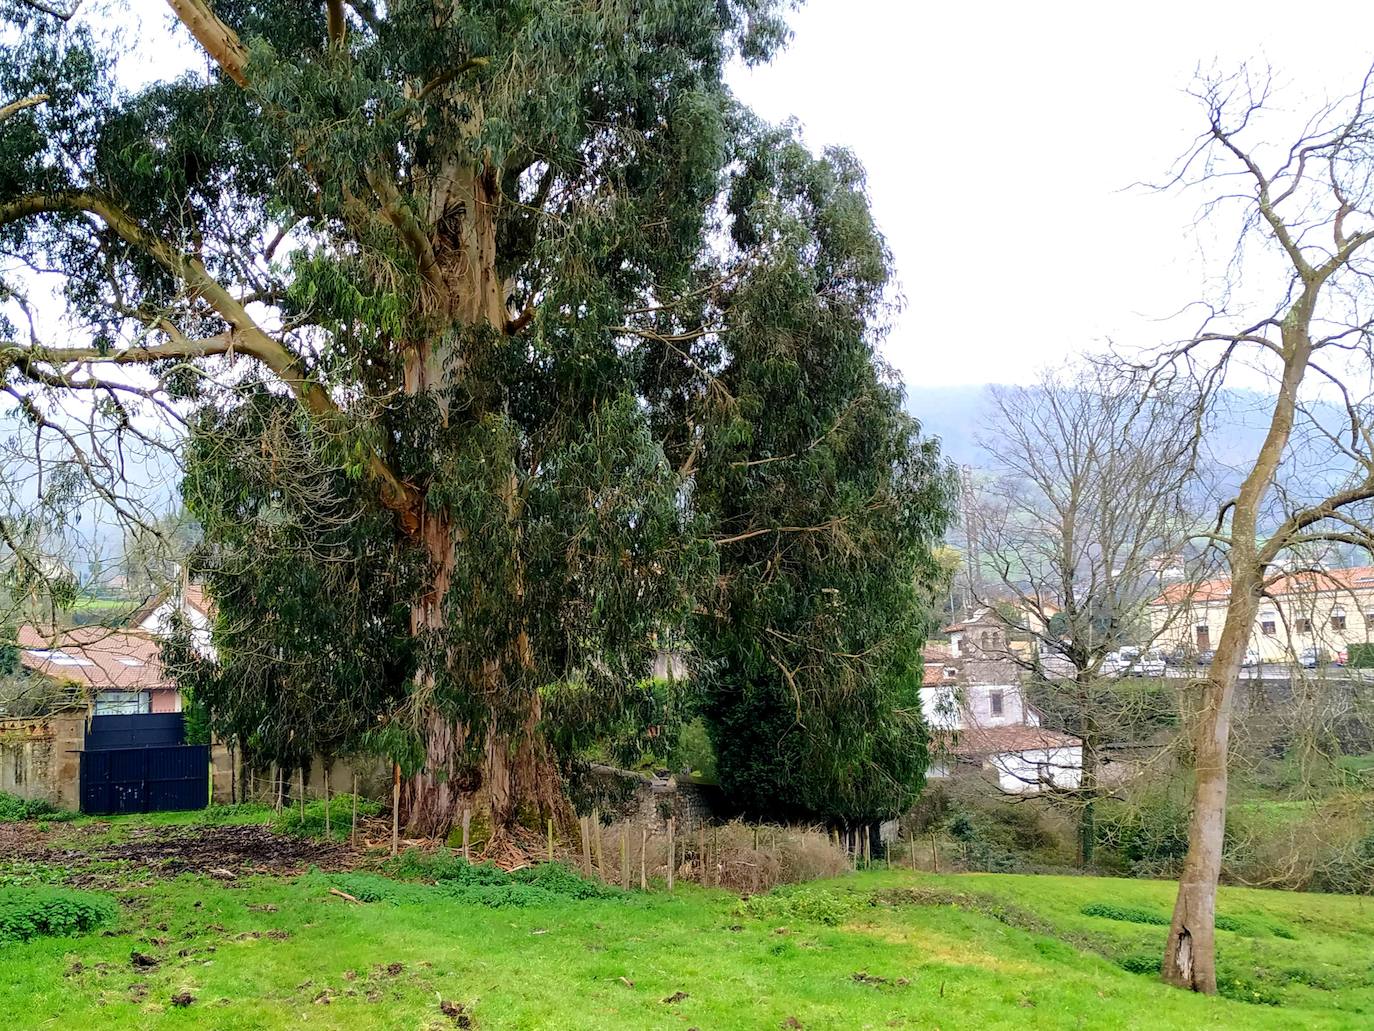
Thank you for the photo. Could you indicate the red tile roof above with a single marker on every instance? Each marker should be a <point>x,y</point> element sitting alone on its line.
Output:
<point>972,741</point>
<point>935,658</point>
<point>94,656</point>
<point>1356,578</point>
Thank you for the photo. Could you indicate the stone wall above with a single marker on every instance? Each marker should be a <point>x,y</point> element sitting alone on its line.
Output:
<point>232,782</point>
<point>40,757</point>
<point>625,796</point>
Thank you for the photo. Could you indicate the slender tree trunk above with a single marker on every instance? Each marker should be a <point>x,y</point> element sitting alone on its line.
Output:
<point>1190,952</point>
<point>1087,785</point>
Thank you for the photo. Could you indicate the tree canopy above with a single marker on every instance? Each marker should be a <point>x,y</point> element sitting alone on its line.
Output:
<point>508,347</point>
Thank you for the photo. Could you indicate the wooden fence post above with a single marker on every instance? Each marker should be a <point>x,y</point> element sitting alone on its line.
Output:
<point>395,808</point>
<point>913,850</point>
<point>596,841</point>
<point>643,857</point>
<point>672,850</point>
<point>353,831</point>
<point>550,827</point>
<point>467,823</point>
<point>302,783</point>
<point>701,852</point>
<point>715,848</point>
<point>624,859</point>
<point>328,829</point>
<point>585,823</point>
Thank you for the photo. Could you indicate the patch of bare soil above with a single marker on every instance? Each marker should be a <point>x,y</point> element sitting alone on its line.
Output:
<point>223,852</point>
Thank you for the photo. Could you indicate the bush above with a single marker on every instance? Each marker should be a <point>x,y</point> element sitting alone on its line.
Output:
<point>482,885</point>
<point>818,905</point>
<point>1149,837</point>
<point>311,823</point>
<point>1126,914</point>
<point>30,912</point>
<point>13,808</point>
<point>1250,928</point>
<point>1141,964</point>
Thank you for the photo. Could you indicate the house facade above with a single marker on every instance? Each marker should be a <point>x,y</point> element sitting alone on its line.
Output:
<point>118,671</point>
<point>1324,609</point>
<point>971,698</point>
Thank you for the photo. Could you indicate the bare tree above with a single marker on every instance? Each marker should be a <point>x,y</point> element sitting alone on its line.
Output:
<point>1305,220</point>
<point>1090,510</point>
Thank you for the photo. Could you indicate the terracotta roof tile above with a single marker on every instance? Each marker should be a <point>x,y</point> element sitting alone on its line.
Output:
<point>94,656</point>
<point>1356,578</point>
<point>973,741</point>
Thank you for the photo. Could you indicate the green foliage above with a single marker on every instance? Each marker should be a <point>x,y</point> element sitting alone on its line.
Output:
<point>429,524</point>
<point>1361,655</point>
<point>1130,914</point>
<point>453,878</point>
<point>292,821</point>
<point>1250,928</point>
<point>1149,836</point>
<point>32,912</point>
<point>828,504</point>
<point>14,808</point>
<point>819,905</point>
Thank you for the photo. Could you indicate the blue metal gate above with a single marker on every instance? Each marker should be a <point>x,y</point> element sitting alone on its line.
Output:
<point>137,764</point>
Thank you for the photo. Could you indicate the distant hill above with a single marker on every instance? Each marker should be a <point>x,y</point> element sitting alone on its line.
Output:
<point>954,414</point>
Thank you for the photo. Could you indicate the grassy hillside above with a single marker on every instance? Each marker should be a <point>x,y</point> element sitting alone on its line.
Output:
<point>880,949</point>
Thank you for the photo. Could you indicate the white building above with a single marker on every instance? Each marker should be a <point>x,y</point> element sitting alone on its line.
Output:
<point>971,698</point>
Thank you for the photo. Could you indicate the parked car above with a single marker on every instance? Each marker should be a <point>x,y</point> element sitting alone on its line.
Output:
<point>1311,658</point>
<point>1151,664</point>
<point>1251,658</point>
<point>1120,661</point>
<point>1205,657</point>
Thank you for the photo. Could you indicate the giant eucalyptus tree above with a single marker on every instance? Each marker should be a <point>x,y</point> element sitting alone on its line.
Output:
<point>479,315</point>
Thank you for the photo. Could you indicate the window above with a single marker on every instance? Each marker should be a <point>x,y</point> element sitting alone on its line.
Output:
<point>1302,625</point>
<point>1269,623</point>
<point>122,703</point>
<point>1369,618</point>
<point>1338,618</point>
<point>985,640</point>
<point>995,701</point>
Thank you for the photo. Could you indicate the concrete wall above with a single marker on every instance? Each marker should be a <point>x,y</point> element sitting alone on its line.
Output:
<point>39,757</point>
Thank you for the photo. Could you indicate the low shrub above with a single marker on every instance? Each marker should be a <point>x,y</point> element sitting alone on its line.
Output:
<point>816,905</point>
<point>1249,927</point>
<point>32,912</point>
<point>1245,989</point>
<point>1141,963</point>
<point>311,822</point>
<point>13,808</point>
<point>1126,914</point>
<point>1149,837</point>
<point>483,885</point>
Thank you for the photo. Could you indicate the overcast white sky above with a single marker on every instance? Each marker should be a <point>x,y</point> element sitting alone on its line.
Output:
<point>1001,138</point>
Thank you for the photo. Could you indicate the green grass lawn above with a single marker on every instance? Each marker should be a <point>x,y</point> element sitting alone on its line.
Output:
<point>878,949</point>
